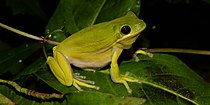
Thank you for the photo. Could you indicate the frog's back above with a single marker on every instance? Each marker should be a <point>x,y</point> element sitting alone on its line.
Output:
<point>90,39</point>
<point>99,36</point>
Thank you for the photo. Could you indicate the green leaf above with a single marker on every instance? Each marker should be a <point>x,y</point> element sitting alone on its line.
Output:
<point>83,97</point>
<point>34,67</point>
<point>13,57</point>
<point>98,98</point>
<point>5,101</point>
<point>168,76</point>
<point>73,15</point>
<point>165,80</point>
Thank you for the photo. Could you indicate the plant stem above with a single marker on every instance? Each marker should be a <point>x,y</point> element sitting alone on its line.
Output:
<point>31,92</point>
<point>27,34</point>
<point>178,50</point>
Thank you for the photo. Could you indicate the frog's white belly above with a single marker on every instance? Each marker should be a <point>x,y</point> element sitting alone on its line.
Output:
<point>87,64</point>
<point>90,60</point>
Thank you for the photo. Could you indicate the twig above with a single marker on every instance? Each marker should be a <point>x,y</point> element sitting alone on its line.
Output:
<point>32,92</point>
<point>28,35</point>
<point>178,50</point>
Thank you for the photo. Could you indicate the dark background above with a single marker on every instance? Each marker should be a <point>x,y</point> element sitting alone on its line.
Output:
<point>180,24</point>
<point>170,24</point>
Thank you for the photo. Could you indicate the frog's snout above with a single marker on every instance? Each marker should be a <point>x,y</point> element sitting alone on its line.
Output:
<point>140,26</point>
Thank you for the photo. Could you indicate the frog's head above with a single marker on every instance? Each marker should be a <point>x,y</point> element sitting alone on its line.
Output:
<point>127,29</point>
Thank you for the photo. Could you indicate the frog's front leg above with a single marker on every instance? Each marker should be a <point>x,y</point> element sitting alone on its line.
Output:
<point>115,73</point>
<point>62,70</point>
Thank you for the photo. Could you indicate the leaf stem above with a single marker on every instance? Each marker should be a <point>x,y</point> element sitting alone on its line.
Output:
<point>27,34</point>
<point>178,50</point>
<point>31,92</point>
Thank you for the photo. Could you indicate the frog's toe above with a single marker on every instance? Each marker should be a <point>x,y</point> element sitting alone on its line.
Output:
<point>126,78</point>
<point>78,76</point>
<point>81,78</point>
<point>130,78</point>
<point>141,51</point>
<point>80,81</point>
<point>85,83</point>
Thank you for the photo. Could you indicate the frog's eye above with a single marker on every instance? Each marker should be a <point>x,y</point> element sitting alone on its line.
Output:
<point>125,30</point>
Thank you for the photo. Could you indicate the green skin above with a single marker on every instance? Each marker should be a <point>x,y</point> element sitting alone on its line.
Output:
<point>93,48</point>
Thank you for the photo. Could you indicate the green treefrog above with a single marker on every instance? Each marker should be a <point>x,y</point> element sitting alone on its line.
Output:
<point>93,48</point>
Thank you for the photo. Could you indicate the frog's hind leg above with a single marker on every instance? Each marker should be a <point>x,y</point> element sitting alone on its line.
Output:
<point>62,70</point>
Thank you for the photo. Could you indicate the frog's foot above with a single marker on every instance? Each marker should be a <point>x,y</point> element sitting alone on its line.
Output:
<point>130,79</point>
<point>78,77</point>
<point>126,78</point>
<point>141,51</point>
<point>80,80</point>
<point>85,83</point>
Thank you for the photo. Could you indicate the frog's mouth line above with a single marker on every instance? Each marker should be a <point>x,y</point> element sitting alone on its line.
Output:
<point>127,46</point>
<point>129,36</point>
<point>132,36</point>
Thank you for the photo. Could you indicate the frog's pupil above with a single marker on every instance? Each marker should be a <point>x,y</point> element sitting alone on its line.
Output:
<point>125,30</point>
